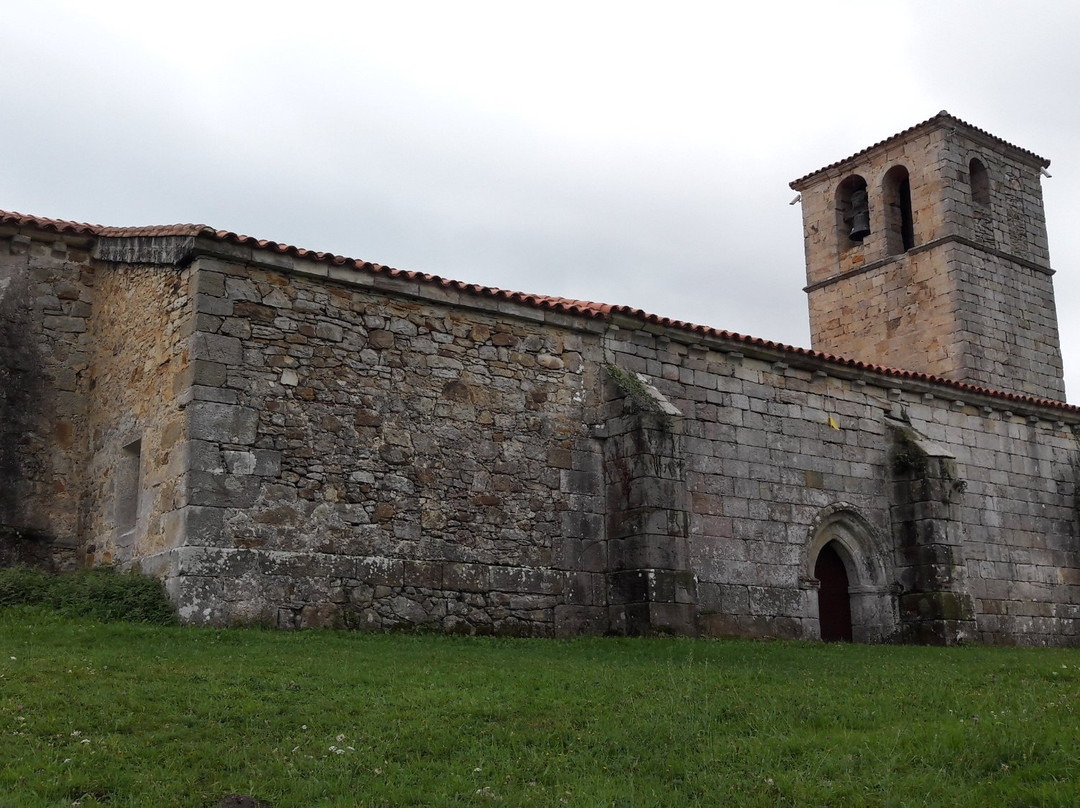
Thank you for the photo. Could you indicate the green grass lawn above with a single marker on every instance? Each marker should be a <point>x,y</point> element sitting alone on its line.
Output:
<point>133,715</point>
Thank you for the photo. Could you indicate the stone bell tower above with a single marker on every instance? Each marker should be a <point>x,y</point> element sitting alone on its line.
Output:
<point>928,252</point>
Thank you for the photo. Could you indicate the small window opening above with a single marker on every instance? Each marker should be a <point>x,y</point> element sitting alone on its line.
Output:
<point>852,212</point>
<point>127,487</point>
<point>980,182</point>
<point>899,221</point>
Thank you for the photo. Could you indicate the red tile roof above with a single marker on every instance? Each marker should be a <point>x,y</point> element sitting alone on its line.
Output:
<point>583,308</point>
<point>941,118</point>
<point>47,225</point>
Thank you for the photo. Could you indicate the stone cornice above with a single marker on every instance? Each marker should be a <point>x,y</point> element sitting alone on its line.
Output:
<point>954,239</point>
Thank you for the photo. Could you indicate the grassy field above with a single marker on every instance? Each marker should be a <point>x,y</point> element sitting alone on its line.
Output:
<point>117,714</point>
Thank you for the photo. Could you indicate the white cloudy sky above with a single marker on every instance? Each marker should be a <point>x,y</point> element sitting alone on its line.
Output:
<point>634,153</point>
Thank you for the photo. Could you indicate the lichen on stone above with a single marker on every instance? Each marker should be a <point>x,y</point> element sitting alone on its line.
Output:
<point>642,396</point>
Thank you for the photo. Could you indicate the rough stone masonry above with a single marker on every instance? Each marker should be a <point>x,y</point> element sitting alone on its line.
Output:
<point>297,439</point>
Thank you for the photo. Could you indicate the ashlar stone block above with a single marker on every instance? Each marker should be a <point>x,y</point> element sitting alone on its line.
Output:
<point>217,348</point>
<point>223,423</point>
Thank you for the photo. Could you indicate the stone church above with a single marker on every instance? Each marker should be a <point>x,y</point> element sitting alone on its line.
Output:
<point>293,438</point>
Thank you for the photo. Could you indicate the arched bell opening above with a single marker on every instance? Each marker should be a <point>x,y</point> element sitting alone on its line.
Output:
<point>979,180</point>
<point>847,567</point>
<point>899,220</point>
<point>982,217</point>
<point>852,212</point>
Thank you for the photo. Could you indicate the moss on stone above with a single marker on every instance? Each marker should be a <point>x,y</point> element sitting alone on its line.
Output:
<point>641,399</point>
<point>908,457</point>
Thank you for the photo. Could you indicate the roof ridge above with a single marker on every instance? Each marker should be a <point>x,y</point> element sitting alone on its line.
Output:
<point>571,306</point>
<point>835,359</point>
<point>942,117</point>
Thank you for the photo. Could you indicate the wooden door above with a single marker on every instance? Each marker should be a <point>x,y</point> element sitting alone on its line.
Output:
<point>834,602</point>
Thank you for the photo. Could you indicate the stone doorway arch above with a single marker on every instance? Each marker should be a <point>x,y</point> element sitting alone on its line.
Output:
<point>844,546</point>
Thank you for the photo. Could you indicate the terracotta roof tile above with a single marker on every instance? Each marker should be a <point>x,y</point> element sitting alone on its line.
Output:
<point>897,373</point>
<point>583,308</point>
<point>48,225</point>
<point>941,117</point>
<point>184,230</point>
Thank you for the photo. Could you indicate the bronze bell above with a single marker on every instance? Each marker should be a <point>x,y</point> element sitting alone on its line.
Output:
<point>860,216</point>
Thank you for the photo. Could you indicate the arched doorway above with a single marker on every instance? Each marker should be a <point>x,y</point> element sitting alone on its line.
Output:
<point>834,600</point>
<point>847,575</point>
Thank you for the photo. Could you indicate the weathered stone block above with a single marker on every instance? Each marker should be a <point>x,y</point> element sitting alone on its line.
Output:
<point>661,618</point>
<point>424,574</point>
<point>217,348</point>
<point>574,621</point>
<point>216,562</point>
<point>223,423</point>
<point>203,456</point>
<point>221,490</point>
<point>644,521</point>
<point>528,580</point>
<point>470,578</point>
<point>328,331</point>
<point>380,339</point>
<point>377,571</point>
<point>774,601</point>
<point>648,551</point>
<point>242,289</point>
<point>628,586</point>
<point>205,282</point>
<point>194,526</point>
<point>216,306</point>
<point>70,325</point>
<point>208,374</point>
<point>200,392</point>
<point>238,462</point>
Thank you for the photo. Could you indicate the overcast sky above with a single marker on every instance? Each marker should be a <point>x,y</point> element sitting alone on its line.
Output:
<point>631,153</point>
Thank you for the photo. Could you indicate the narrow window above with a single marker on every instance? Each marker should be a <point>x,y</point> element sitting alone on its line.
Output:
<point>127,487</point>
<point>899,222</point>
<point>852,212</point>
<point>980,182</point>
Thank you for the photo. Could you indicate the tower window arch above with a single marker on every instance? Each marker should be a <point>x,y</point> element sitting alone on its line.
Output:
<point>899,221</point>
<point>852,212</point>
<point>980,182</point>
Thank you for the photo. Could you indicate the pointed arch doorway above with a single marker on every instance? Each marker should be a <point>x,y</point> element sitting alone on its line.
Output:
<point>847,567</point>
<point>834,598</point>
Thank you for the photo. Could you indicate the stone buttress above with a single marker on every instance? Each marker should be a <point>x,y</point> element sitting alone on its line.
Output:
<point>651,586</point>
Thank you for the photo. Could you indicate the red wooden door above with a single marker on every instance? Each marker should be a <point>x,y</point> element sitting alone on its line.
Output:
<point>834,603</point>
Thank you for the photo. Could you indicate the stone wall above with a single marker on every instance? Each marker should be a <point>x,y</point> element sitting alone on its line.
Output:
<point>139,376</point>
<point>777,449</point>
<point>374,452</point>
<point>992,294</point>
<point>46,291</point>
<point>1005,296</point>
<point>898,313</point>
<point>369,459</point>
<point>91,355</point>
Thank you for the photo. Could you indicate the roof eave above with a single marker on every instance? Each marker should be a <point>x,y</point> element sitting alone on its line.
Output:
<point>940,121</point>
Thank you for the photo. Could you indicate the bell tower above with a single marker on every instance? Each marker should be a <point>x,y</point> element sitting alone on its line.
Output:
<point>928,252</point>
